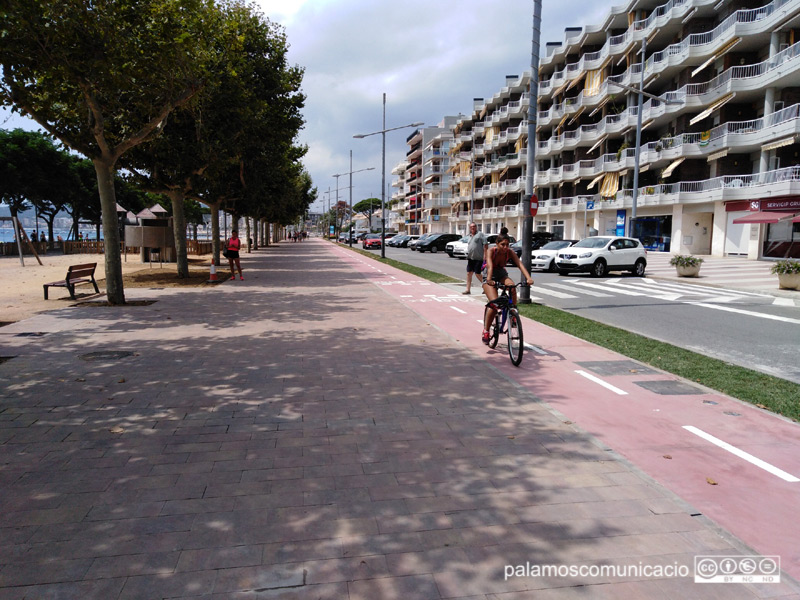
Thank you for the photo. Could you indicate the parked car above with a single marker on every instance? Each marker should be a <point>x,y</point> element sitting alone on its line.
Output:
<point>600,254</point>
<point>538,239</point>
<point>344,239</point>
<point>437,242</point>
<point>545,257</point>
<point>395,241</point>
<point>461,245</point>
<point>412,245</point>
<point>412,237</point>
<point>371,240</point>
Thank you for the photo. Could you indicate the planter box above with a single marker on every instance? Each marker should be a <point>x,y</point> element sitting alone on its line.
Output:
<point>789,281</point>
<point>688,271</point>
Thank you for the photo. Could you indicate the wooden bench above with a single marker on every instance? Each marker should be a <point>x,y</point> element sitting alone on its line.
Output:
<point>75,274</point>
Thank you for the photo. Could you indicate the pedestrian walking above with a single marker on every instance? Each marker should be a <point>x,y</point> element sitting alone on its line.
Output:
<point>476,250</point>
<point>232,245</point>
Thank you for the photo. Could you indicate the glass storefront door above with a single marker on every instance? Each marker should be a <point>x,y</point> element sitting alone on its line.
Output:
<point>654,232</point>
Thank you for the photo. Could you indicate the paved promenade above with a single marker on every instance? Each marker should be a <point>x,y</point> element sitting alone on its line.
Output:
<point>302,434</point>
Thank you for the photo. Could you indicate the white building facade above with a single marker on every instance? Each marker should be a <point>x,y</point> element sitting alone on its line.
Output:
<point>719,142</point>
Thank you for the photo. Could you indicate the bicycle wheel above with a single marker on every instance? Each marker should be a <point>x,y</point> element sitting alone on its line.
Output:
<point>515,347</point>
<point>494,328</point>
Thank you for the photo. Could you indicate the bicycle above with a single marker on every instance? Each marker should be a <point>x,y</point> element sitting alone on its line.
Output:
<point>506,320</point>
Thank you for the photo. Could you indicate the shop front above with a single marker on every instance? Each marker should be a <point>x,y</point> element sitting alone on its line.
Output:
<point>780,235</point>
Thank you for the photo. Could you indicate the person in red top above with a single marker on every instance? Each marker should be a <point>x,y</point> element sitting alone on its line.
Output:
<point>232,245</point>
<point>495,271</point>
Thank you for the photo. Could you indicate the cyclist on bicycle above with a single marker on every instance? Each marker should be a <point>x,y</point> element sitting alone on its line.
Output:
<point>495,271</point>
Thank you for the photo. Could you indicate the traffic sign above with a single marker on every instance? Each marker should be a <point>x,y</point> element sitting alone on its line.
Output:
<point>534,205</point>
<point>590,205</point>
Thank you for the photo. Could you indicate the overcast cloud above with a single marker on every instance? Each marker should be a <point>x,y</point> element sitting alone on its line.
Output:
<point>431,57</point>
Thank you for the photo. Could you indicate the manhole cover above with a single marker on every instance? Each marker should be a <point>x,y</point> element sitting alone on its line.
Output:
<point>669,387</point>
<point>617,367</point>
<point>107,355</point>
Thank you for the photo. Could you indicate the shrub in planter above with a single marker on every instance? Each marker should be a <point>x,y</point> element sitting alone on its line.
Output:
<point>683,260</point>
<point>686,265</point>
<point>788,272</point>
<point>786,267</point>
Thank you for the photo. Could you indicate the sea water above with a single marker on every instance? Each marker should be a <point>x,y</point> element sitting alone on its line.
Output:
<point>7,233</point>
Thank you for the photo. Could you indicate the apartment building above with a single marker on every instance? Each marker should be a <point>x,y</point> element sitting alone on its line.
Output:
<point>719,167</point>
<point>421,199</point>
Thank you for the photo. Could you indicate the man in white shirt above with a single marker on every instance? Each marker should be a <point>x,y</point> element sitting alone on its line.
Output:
<point>476,250</point>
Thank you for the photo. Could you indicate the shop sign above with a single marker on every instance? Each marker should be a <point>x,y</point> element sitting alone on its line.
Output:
<point>787,205</point>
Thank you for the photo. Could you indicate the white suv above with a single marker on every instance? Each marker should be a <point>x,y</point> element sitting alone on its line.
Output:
<point>600,254</point>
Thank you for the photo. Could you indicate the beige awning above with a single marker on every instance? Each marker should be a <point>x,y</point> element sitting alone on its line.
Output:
<point>577,114</point>
<point>672,166</point>
<point>716,55</point>
<point>594,79</point>
<point>598,142</point>
<point>610,185</point>
<point>577,80</point>
<point>779,144</point>
<point>717,155</point>
<point>595,180</point>
<point>718,104</point>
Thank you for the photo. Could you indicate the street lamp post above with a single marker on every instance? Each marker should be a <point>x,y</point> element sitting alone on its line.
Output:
<point>383,169</point>
<point>527,223</point>
<point>350,172</point>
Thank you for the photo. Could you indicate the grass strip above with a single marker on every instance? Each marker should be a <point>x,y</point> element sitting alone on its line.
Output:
<point>418,271</point>
<point>762,390</point>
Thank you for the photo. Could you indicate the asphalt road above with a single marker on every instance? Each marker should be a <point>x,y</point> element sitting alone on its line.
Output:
<point>740,328</point>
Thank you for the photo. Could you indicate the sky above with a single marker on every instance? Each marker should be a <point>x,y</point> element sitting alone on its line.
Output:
<point>430,57</point>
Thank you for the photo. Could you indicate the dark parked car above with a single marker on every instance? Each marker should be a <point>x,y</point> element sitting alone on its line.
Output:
<point>539,239</point>
<point>408,240</point>
<point>397,240</point>
<point>412,244</point>
<point>437,241</point>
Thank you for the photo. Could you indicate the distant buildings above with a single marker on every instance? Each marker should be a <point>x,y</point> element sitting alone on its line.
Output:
<point>720,158</point>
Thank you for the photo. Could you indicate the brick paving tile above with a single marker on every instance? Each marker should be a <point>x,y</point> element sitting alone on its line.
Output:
<point>294,438</point>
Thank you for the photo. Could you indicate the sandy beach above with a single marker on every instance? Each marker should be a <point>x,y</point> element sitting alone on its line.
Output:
<point>22,295</point>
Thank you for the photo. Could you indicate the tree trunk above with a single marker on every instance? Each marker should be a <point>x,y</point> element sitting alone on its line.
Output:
<point>50,224</point>
<point>215,231</point>
<point>247,234</point>
<point>108,202</point>
<point>256,228</point>
<point>179,231</point>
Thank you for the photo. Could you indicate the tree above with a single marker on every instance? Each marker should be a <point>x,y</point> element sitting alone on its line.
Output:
<point>33,171</point>
<point>102,77</point>
<point>251,106</point>
<point>367,208</point>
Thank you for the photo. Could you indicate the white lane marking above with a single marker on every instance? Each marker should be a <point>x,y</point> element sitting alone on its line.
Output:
<point>546,292</point>
<point>742,454</point>
<point>783,302</point>
<point>463,312</point>
<point>706,289</point>
<point>654,293</point>
<point>571,288</point>
<point>533,348</point>
<point>749,313</point>
<point>606,289</point>
<point>599,381</point>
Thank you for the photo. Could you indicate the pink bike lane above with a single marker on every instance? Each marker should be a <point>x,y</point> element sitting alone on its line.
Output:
<point>734,463</point>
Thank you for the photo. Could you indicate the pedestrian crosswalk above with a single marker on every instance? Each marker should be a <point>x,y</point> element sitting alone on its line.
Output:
<point>644,287</point>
